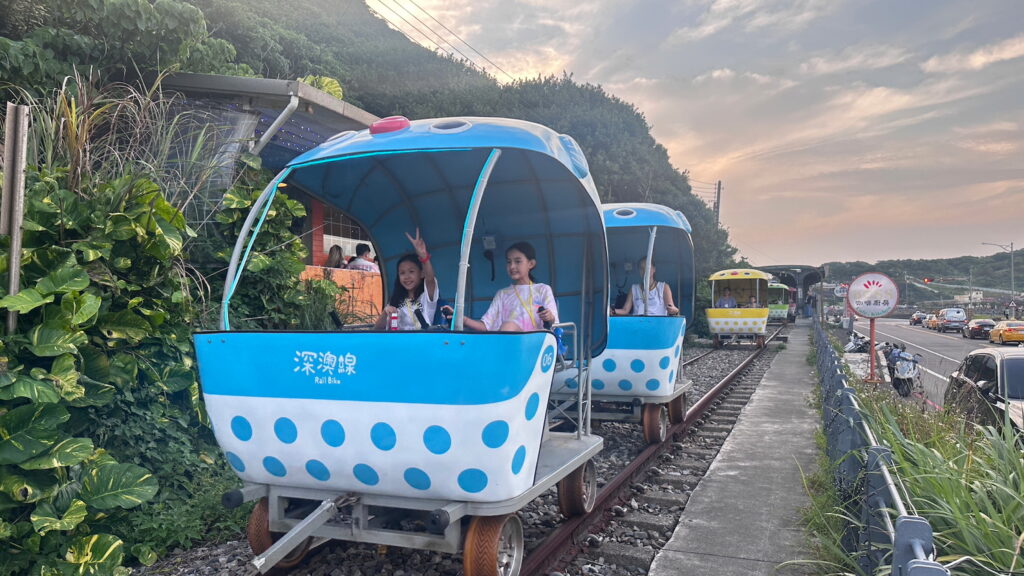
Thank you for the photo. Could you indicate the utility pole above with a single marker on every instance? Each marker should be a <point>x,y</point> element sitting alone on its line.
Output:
<point>1013,288</point>
<point>718,202</point>
<point>12,203</point>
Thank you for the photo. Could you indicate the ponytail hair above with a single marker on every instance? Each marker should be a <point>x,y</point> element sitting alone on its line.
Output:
<point>527,250</point>
<point>398,293</point>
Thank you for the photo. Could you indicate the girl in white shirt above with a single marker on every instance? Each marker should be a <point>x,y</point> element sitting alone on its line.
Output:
<point>415,289</point>
<point>658,301</point>
<point>525,305</point>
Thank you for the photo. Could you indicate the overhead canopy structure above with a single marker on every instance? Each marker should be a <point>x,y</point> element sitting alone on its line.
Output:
<point>296,116</point>
<point>799,276</point>
<point>631,229</point>
<point>473,187</point>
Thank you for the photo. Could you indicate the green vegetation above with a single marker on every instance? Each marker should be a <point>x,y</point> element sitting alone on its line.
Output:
<point>100,407</point>
<point>966,480</point>
<point>988,271</point>
<point>126,246</point>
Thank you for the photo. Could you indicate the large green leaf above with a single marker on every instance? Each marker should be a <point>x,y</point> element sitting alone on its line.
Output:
<point>94,554</point>
<point>95,363</point>
<point>65,453</point>
<point>29,430</point>
<point>80,308</point>
<point>42,261</point>
<point>26,487</point>
<point>145,554</point>
<point>53,339</point>
<point>96,393</point>
<point>118,485</point>
<point>64,374</point>
<point>45,517</point>
<point>126,325</point>
<point>92,250</point>
<point>122,227</point>
<point>25,301</point>
<point>36,390</point>
<point>69,278</point>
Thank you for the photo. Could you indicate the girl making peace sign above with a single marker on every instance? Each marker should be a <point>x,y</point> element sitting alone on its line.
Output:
<point>415,289</point>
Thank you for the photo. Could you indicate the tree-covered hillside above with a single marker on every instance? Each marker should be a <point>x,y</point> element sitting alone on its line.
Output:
<point>982,272</point>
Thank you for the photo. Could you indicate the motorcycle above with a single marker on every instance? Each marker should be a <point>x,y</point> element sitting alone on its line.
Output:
<point>857,344</point>
<point>907,373</point>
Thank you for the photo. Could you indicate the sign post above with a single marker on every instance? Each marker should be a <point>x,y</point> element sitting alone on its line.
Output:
<point>873,295</point>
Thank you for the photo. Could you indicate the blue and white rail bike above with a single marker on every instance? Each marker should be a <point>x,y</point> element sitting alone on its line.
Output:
<point>428,439</point>
<point>638,376</point>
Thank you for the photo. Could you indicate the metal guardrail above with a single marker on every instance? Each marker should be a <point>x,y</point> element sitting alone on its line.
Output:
<point>867,482</point>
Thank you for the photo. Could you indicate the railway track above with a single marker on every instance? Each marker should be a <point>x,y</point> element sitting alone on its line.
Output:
<point>716,411</point>
<point>643,489</point>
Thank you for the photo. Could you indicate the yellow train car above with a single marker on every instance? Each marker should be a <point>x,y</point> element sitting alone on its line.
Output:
<point>740,305</point>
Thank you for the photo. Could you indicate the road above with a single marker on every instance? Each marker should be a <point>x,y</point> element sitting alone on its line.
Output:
<point>940,353</point>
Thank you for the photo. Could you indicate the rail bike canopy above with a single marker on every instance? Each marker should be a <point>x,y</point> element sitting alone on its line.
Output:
<point>473,187</point>
<point>640,230</point>
<point>742,282</point>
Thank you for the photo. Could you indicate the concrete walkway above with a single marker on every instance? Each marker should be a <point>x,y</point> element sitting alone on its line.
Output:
<point>744,516</point>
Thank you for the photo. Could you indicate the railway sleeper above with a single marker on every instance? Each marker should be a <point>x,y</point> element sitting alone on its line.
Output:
<point>623,555</point>
<point>677,482</point>
<point>649,522</point>
<point>666,499</point>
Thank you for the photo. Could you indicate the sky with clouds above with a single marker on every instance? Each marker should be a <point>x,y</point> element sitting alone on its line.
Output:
<point>841,129</point>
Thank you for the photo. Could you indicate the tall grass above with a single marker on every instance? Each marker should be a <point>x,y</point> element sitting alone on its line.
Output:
<point>100,133</point>
<point>966,480</point>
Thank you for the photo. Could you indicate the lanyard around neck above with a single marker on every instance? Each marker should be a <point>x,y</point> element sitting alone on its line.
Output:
<point>529,309</point>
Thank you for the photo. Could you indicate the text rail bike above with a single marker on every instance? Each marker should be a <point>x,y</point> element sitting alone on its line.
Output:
<point>428,439</point>
<point>739,307</point>
<point>638,377</point>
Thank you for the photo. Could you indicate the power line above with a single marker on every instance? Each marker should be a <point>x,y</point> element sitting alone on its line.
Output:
<point>404,33</point>
<point>425,25</point>
<point>488,60</point>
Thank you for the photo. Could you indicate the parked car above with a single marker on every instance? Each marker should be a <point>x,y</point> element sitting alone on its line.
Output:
<point>930,321</point>
<point>1007,331</point>
<point>917,318</point>
<point>989,385</point>
<point>977,328</point>
<point>951,320</point>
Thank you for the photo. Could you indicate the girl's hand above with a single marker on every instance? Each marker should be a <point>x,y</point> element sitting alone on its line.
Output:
<point>672,311</point>
<point>546,315</point>
<point>388,311</point>
<point>418,244</point>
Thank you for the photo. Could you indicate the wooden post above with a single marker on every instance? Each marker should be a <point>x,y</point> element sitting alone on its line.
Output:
<point>13,209</point>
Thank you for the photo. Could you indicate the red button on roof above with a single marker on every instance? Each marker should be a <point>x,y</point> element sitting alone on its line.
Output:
<point>389,124</point>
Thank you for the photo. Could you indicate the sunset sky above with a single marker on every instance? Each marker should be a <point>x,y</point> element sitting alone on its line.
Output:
<point>841,130</point>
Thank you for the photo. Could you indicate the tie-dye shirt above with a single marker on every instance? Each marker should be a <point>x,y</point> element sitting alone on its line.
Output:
<point>511,304</point>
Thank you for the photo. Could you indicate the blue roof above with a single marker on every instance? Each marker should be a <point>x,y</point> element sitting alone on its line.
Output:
<point>423,175</point>
<point>454,133</point>
<point>643,214</point>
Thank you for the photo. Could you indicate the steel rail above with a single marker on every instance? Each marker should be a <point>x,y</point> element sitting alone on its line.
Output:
<point>571,531</point>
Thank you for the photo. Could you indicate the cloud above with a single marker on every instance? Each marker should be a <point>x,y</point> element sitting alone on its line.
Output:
<point>717,74</point>
<point>855,58</point>
<point>978,59</point>
<point>751,16</point>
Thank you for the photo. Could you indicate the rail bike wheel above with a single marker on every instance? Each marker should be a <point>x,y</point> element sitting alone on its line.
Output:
<point>677,409</point>
<point>577,492</point>
<point>716,342</point>
<point>494,546</point>
<point>261,538</point>
<point>655,423</point>
<point>760,340</point>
